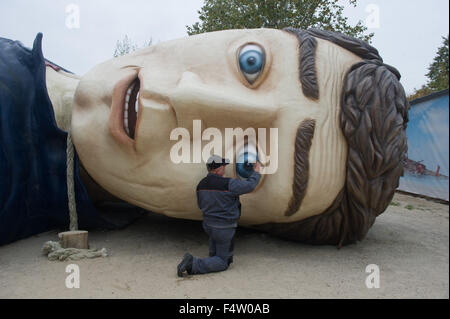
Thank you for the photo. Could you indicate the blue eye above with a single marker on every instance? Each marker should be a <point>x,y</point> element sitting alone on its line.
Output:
<point>251,61</point>
<point>245,163</point>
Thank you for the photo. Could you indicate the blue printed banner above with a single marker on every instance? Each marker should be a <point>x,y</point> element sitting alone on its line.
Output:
<point>426,170</point>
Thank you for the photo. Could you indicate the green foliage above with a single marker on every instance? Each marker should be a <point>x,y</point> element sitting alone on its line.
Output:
<point>394,204</point>
<point>438,70</point>
<point>218,15</point>
<point>437,73</point>
<point>409,207</point>
<point>423,91</point>
<point>126,46</point>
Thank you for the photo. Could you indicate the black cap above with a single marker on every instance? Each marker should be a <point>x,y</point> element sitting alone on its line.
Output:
<point>216,161</point>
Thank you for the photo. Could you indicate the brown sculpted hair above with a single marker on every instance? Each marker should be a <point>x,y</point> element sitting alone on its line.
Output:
<point>373,119</point>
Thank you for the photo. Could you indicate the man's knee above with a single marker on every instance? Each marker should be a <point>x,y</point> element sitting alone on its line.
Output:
<point>219,264</point>
<point>226,261</point>
<point>225,266</point>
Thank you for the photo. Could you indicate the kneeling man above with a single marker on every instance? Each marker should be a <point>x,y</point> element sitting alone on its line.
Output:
<point>218,199</point>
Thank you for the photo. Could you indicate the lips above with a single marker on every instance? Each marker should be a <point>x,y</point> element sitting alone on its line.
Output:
<point>125,109</point>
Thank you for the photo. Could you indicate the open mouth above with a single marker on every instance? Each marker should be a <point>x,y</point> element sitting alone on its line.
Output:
<point>123,119</point>
<point>131,108</point>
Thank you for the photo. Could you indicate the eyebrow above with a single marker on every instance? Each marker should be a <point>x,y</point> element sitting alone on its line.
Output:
<point>307,44</point>
<point>303,142</point>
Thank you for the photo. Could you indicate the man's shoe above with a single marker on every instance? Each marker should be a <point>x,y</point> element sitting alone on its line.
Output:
<point>185,265</point>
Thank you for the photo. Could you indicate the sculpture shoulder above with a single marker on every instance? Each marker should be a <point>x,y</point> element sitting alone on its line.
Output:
<point>61,88</point>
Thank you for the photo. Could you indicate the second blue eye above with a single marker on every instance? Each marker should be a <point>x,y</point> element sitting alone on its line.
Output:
<point>251,61</point>
<point>245,163</point>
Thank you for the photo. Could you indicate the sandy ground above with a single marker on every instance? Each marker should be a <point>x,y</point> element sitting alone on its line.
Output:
<point>410,245</point>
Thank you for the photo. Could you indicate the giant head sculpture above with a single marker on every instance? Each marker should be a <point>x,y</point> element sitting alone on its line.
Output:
<point>341,116</point>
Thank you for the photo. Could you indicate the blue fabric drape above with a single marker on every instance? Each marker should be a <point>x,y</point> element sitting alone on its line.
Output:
<point>33,190</point>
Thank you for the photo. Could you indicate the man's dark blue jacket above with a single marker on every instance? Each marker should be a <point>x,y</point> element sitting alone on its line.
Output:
<point>218,198</point>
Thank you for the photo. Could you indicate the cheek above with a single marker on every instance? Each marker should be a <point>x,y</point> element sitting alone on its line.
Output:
<point>85,95</point>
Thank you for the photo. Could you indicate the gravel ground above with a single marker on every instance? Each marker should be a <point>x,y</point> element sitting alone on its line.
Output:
<point>409,243</point>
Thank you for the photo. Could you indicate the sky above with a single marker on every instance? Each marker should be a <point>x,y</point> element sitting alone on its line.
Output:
<point>78,34</point>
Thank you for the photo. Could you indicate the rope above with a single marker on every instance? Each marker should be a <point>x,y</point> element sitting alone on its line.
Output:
<point>70,184</point>
<point>54,251</point>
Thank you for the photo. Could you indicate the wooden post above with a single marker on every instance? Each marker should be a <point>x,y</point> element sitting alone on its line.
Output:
<point>74,239</point>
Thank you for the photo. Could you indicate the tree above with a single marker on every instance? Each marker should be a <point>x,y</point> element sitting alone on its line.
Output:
<point>423,91</point>
<point>438,70</point>
<point>247,14</point>
<point>437,73</point>
<point>126,46</point>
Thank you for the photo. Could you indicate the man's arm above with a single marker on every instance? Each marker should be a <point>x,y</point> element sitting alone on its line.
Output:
<point>240,187</point>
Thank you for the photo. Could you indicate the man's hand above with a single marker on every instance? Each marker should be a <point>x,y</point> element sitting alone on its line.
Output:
<point>243,186</point>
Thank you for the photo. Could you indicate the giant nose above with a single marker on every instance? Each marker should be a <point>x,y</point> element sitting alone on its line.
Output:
<point>220,104</point>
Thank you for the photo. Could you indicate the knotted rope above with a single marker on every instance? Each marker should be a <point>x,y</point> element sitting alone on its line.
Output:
<point>54,251</point>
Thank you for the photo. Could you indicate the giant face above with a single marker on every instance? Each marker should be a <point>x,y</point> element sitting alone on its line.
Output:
<point>125,110</point>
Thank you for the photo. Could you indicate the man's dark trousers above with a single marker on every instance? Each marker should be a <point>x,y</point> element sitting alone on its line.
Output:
<point>220,250</point>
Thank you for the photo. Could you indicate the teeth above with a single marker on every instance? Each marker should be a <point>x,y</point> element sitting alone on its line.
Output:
<point>127,101</point>
<point>125,124</point>
<point>125,113</point>
<point>136,105</point>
